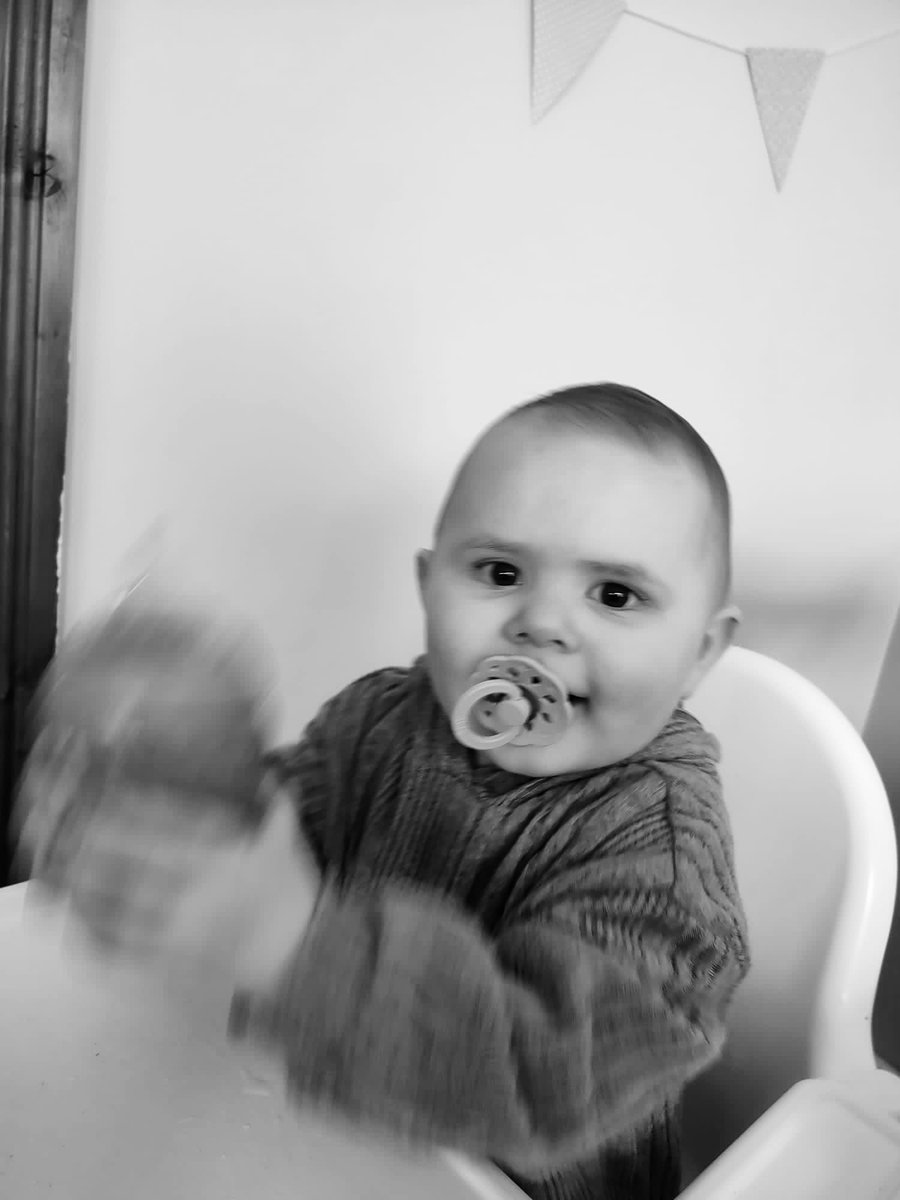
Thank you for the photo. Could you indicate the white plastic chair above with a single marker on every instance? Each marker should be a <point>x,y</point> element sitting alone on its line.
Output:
<point>816,862</point>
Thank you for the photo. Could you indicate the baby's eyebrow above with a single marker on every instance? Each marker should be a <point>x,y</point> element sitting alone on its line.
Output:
<point>493,544</point>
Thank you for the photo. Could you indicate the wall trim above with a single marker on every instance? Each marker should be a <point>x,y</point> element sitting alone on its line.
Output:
<point>41,79</point>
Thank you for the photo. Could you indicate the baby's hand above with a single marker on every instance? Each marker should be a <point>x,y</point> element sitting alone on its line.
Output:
<point>282,885</point>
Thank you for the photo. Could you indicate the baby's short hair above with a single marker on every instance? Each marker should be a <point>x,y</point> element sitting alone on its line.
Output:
<point>646,422</point>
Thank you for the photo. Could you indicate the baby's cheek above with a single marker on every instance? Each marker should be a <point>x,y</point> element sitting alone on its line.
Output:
<point>443,656</point>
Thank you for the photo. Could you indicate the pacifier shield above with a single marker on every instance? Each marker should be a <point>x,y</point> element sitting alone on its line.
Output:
<point>511,700</point>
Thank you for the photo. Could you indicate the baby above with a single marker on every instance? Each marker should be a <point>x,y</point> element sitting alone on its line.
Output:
<point>492,905</point>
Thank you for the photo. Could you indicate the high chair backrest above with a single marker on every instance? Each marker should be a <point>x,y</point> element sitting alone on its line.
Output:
<point>816,863</point>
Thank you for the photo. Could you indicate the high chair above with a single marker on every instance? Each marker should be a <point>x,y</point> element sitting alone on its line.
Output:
<point>816,863</point>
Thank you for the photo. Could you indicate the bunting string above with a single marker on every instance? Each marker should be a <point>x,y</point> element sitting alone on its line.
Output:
<point>696,37</point>
<point>568,34</point>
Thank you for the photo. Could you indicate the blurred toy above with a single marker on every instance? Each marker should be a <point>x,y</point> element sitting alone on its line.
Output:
<point>150,727</point>
<point>177,698</point>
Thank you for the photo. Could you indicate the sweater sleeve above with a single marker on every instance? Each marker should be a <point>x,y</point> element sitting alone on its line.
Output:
<point>565,1030</point>
<point>339,745</point>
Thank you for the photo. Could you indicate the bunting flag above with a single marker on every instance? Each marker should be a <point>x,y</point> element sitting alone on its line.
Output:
<point>783,83</point>
<point>565,36</point>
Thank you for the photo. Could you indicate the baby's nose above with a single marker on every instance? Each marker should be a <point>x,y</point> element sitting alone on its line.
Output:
<point>541,623</point>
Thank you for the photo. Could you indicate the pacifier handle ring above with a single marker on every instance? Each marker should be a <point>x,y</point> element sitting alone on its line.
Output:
<point>460,717</point>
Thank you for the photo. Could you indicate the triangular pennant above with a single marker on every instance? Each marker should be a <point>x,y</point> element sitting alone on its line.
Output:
<point>565,36</point>
<point>783,81</point>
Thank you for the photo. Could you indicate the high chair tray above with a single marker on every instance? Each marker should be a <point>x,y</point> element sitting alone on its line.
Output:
<point>117,1083</point>
<point>823,1140</point>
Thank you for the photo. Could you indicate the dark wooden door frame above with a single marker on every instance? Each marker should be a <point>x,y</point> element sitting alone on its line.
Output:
<point>41,74</point>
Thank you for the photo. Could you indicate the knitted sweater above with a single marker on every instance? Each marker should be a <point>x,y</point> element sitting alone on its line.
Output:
<point>525,969</point>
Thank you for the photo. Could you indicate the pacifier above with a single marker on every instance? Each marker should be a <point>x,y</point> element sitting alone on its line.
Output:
<point>511,700</point>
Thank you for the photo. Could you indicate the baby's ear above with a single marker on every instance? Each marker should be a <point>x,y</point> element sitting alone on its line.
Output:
<point>423,564</point>
<point>718,637</point>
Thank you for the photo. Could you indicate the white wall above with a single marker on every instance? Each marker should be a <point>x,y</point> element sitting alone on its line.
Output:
<point>321,245</point>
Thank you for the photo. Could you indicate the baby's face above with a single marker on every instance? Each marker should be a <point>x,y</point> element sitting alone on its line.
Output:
<point>590,556</point>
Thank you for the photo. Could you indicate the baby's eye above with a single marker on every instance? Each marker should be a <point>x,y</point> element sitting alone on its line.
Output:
<point>616,595</point>
<point>498,573</point>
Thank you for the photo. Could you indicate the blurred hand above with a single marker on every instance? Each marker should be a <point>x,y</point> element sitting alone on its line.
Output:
<point>282,883</point>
